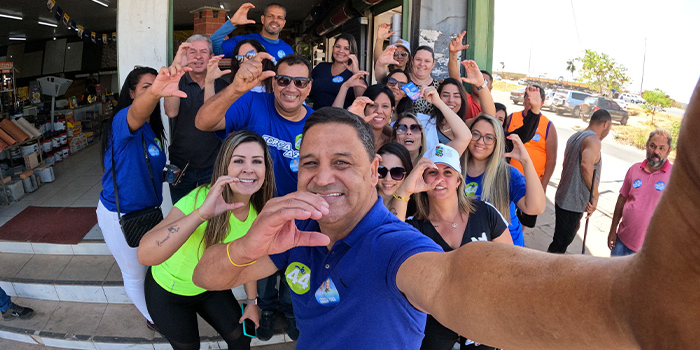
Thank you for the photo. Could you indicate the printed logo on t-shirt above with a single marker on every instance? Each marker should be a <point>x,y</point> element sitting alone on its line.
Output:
<point>157,141</point>
<point>536,137</point>
<point>294,165</point>
<point>660,186</point>
<point>471,188</point>
<point>298,277</point>
<point>281,145</point>
<point>297,142</point>
<point>482,238</point>
<point>338,79</point>
<point>281,53</point>
<point>637,183</point>
<point>153,150</point>
<point>327,294</point>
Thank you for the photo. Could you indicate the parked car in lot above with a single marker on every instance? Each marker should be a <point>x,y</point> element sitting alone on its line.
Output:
<point>594,103</point>
<point>522,82</point>
<point>496,77</point>
<point>566,100</point>
<point>517,96</point>
<point>548,99</point>
<point>630,98</point>
<point>621,103</point>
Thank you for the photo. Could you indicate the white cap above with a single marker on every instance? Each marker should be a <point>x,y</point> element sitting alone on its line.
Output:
<point>403,43</point>
<point>444,154</point>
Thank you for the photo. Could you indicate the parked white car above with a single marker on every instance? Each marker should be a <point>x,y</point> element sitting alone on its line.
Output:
<point>630,98</point>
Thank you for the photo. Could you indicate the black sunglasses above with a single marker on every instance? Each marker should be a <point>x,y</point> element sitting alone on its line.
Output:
<point>299,82</point>
<point>403,54</point>
<point>488,138</point>
<point>392,82</point>
<point>402,128</point>
<point>248,55</point>
<point>397,173</point>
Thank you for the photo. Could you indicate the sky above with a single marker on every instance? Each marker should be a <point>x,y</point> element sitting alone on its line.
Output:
<point>548,29</point>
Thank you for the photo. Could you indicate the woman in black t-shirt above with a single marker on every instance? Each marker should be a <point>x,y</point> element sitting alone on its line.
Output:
<point>450,218</point>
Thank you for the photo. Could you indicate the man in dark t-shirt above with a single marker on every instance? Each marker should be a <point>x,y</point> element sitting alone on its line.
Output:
<point>190,146</point>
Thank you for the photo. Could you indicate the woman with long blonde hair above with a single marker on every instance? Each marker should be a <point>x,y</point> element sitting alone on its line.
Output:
<point>490,178</point>
<point>242,182</point>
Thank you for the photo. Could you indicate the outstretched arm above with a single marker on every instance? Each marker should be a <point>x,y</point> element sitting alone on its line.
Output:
<point>533,202</point>
<point>383,34</point>
<point>455,47</point>
<point>381,66</point>
<point>239,18</point>
<point>475,78</point>
<point>551,144</point>
<point>462,134</point>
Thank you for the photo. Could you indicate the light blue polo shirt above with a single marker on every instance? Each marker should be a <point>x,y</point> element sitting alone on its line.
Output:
<point>347,298</point>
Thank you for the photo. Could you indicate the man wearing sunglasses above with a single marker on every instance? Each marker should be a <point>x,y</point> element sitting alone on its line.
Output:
<point>273,21</point>
<point>192,148</point>
<point>279,118</point>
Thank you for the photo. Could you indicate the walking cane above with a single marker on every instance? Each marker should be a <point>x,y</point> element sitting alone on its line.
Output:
<point>585,229</point>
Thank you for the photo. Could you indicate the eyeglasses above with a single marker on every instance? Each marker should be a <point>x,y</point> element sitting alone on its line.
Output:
<point>299,82</point>
<point>488,139</point>
<point>248,55</point>
<point>392,82</point>
<point>402,128</point>
<point>397,173</point>
<point>403,54</point>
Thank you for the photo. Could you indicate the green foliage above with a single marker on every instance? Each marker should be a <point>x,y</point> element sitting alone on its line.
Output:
<point>601,71</point>
<point>657,100</point>
<point>571,67</point>
<point>675,129</point>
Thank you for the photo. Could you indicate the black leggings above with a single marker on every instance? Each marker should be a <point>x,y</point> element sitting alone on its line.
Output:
<point>176,315</point>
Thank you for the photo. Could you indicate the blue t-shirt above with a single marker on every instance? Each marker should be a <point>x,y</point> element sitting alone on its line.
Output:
<point>347,298</point>
<point>256,111</point>
<point>277,48</point>
<point>517,191</point>
<point>133,181</point>
<point>325,86</point>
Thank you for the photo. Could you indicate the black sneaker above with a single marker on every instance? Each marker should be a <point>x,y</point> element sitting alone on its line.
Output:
<point>16,311</point>
<point>292,330</point>
<point>265,330</point>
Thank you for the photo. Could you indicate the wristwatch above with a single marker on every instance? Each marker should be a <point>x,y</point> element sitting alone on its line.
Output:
<point>252,301</point>
<point>485,84</point>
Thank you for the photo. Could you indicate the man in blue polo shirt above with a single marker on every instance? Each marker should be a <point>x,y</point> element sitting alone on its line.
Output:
<point>273,21</point>
<point>279,118</point>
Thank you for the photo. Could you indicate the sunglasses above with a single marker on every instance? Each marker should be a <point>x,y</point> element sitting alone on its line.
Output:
<point>403,54</point>
<point>402,128</point>
<point>299,82</point>
<point>397,173</point>
<point>488,139</point>
<point>248,55</point>
<point>392,82</point>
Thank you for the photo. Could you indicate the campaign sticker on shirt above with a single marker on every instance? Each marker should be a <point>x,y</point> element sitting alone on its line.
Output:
<point>294,165</point>
<point>298,277</point>
<point>153,150</point>
<point>281,53</point>
<point>327,294</point>
<point>338,79</point>
<point>471,188</point>
<point>637,183</point>
<point>536,137</point>
<point>660,186</point>
<point>297,142</point>
<point>157,141</point>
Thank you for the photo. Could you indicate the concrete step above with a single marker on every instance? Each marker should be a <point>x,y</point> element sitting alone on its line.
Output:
<point>86,247</point>
<point>77,278</point>
<point>72,325</point>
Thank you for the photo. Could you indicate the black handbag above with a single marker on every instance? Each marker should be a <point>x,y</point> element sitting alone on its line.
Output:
<point>137,223</point>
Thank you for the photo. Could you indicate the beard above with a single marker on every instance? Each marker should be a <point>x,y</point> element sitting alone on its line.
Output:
<point>655,161</point>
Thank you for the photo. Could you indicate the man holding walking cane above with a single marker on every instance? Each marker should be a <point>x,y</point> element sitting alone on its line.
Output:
<point>582,162</point>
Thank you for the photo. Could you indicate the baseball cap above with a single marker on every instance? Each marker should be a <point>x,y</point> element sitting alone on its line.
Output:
<point>400,42</point>
<point>444,154</point>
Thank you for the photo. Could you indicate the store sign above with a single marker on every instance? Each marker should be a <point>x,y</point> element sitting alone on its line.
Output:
<point>6,65</point>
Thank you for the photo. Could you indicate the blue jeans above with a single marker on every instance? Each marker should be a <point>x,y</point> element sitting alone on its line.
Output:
<point>620,249</point>
<point>270,298</point>
<point>190,181</point>
<point>4,301</point>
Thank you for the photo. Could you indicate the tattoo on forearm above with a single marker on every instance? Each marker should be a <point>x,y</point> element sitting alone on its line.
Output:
<point>171,230</point>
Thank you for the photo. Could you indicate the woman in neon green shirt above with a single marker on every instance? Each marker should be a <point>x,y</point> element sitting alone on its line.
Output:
<point>242,182</point>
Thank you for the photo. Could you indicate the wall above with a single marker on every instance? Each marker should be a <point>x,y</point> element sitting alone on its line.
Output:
<point>438,21</point>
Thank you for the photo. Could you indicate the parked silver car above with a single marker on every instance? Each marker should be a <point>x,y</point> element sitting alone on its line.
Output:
<point>517,96</point>
<point>566,100</point>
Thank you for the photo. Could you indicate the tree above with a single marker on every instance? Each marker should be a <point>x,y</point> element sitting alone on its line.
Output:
<point>570,67</point>
<point>601,71</point>
<point>503,66</point>
<point>657,100</point>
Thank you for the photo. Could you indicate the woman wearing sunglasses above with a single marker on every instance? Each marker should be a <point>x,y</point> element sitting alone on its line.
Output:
<point>247,50</point>
<point>329,77</point>
<point>393,168</point>
<point>451,219</point>
<point>408,132</point>
<point>220,212</point>
<point>395,56</point>
<point>396,79</point>
<point>490,178</point>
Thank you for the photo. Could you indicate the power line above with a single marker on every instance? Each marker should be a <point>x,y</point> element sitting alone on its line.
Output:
<point>576,24</point>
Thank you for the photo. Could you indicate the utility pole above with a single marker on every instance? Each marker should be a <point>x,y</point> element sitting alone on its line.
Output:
<point>644,61</point>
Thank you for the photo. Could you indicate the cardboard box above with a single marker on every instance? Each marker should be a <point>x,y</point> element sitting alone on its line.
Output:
<point>31,160</point>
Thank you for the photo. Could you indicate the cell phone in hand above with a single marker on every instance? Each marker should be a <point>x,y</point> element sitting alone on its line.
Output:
<point>411,90</point>
<point>248,325</point>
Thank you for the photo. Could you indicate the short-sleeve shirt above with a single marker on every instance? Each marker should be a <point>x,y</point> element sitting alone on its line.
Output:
<point>325,86</point>
<point>516,188</point>
<point>175,274</point>
<point>190,144</point>
<point>473,107</point>
<point>484,224</point>
<point>256,112</point>
<point>347,298</point>
<point>133,180</point>
<point>643,191</point>
<point>277,48</point>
